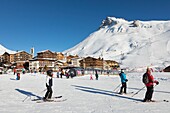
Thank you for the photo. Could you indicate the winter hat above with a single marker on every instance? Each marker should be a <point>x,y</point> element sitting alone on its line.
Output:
<point>122,70</point>
<point>50,72</point>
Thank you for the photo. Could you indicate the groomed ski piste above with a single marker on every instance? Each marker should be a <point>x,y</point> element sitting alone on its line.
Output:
<point>82,94</point>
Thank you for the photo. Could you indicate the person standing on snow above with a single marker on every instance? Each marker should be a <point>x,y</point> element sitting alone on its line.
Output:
<point>49,84</point>
<point>149,85</point>
<point>96,75</point>
<point>15,71</point>
<point>123,81</point>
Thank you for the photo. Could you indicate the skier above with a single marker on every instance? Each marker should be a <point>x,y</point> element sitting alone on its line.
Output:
<point>91,77</point>
<point>149,85</point>
<point>62,73</point>
<point>23,70</point>
<point>15,71</point>
<point>49,83</point>
<point>96,75</point>
<point>123,81</point>
<point>58,73</point>
<point>18,76</point>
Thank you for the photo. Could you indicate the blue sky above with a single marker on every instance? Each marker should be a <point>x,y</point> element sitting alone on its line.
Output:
<point>58,25</point>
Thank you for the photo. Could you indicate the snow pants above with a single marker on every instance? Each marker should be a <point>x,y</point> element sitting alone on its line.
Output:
<point>123,87</point>
<point>49,92</point>
<point>149,93</point>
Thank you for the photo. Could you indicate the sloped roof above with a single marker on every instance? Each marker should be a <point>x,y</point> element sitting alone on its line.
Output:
<point>167,69</point>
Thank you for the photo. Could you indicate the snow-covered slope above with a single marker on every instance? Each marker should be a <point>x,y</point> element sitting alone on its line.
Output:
<point>3,50</point>
<point>83,95</point>
<point>132,43</point>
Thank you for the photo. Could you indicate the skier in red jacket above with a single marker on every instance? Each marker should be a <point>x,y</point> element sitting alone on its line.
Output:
<point>150,86</point>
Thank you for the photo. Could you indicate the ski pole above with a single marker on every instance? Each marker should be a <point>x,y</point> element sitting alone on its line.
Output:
<point>30,95</point>
<point>26,98</point>
<point>117,87</point>
<point>138,91</point>
<point>43,90</point>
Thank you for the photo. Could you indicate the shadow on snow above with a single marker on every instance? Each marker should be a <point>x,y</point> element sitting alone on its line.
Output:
<point>103,92</point>
<point>27,93</point>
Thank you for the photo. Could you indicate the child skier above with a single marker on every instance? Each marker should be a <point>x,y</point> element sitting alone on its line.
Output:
<point>18,76</point>
<point>91,77</point>
<point>49,83</point>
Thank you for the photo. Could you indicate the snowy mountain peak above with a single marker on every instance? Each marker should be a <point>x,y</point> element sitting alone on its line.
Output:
<point>112,21</point>
<point>132,43</point>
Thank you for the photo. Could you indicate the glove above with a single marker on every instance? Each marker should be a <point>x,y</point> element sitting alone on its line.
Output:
<point>126,80</point>
<point>157,83</point>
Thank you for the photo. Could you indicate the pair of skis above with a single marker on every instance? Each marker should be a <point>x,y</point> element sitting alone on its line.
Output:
<point>54,99</point>
<point>133,94</point>
<point>152,101</point>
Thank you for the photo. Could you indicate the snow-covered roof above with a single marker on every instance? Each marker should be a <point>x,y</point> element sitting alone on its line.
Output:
<point>3,50</point>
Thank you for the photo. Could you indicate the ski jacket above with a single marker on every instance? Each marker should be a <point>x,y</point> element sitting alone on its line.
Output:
<point>49,81</point>
<point>151,80</point>
<point>123,77</point>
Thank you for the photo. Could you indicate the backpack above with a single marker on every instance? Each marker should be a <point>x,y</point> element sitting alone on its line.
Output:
<point>145,78</point>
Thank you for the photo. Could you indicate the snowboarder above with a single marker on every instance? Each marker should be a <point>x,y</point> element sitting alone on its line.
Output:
<point>49,83</point>
<point>123,81</point>
<point>149,85</point>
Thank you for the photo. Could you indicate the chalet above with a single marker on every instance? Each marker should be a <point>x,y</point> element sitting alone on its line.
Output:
<point>46,54</point>
<point>76,61</point>
<point>40,63</point>
<point>111,64</point>
<point>59,56</point>
<point>69,59</point>
<point>44,59</point>
<point>90,62</point>
<point>20,58</point>
<point>6,58</point>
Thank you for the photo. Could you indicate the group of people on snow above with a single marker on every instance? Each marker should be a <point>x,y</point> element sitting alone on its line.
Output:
<point>149,83</point>
<point>96,75</point>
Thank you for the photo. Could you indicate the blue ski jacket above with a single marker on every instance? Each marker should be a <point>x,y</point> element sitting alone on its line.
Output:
<point>123,77</point>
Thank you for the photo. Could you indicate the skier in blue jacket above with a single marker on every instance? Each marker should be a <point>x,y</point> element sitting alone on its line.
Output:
<point>123,81</point>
